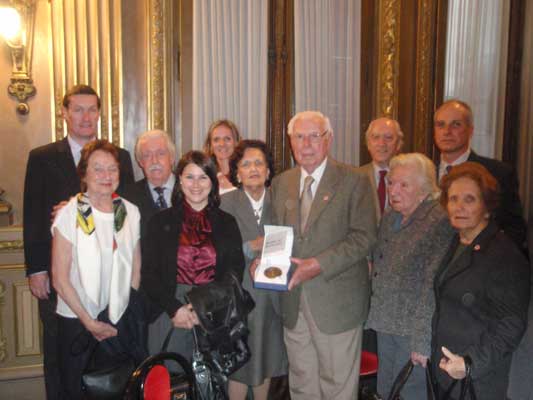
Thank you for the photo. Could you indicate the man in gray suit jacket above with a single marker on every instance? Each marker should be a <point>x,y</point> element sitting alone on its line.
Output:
<point>333,217</point>
<point>384,139</point>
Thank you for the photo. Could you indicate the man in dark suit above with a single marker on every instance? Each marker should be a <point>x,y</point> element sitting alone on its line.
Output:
<point>384,139</point>
<point>156,154</point>
<point>453,130</point>
<point>51,179</point>
<point>331,209</point>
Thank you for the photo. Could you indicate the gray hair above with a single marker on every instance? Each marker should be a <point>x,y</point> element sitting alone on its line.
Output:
<point>467,110</point>
<point>309,115</point>
<point>394,122</point>
<point>425,171</point>
<point>156,133</point>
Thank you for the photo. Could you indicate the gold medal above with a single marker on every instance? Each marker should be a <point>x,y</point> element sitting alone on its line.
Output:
<point>272,272</point>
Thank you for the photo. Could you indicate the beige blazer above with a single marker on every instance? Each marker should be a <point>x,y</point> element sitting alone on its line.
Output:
<point>368,169</point>
<point>340,231</point>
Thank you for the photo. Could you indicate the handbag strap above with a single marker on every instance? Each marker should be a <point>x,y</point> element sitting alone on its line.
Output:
<point>164,348</point>
<point>400,380</point>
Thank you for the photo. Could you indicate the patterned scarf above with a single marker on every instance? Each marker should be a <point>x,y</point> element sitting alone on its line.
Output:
<point>89,256</point>
<point>85,219</point>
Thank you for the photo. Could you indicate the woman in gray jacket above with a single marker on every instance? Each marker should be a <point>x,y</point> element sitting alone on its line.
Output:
<point>412,240</point>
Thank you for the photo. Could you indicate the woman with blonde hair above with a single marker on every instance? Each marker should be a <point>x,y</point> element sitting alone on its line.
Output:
<point>222,138</point>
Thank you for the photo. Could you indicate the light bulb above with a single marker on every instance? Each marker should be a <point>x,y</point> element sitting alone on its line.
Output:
<point>9,23</point>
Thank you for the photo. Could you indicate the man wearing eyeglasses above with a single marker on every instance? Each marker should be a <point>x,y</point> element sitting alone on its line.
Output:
<point>453,130</point>
<point>51,179</point>
<point>331,209</point>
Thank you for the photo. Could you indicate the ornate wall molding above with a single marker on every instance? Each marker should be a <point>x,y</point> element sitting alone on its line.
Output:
<point>388,57</point>
<point>425,86</point>
<point>3,342</point>
<point>280,80</point>
<point>11,245</point>
<point>87,48</point>
<point>161,44</point>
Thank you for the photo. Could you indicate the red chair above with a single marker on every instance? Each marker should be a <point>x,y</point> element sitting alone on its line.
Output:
<point>369,364</point>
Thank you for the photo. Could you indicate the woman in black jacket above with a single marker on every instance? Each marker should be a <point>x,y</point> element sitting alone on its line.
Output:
<point>190,244</point>
<point>482,289</point>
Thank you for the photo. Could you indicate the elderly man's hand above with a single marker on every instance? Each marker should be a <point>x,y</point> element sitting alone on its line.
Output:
<point>453,364</point>
<point>253,266</point>
<point>39,285</point>
<point>306,269</point>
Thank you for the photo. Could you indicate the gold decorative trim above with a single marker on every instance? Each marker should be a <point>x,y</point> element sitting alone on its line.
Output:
<point>156,70</point>
<point>27,327</point>
<point>388,57</point>
<point>424,75</point>
<point>11,245</point>
<point>3,341</point>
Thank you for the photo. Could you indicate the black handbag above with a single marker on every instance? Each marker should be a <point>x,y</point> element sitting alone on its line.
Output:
<point>182,385</point>
<point>107,382</point>
<point>404,375</point>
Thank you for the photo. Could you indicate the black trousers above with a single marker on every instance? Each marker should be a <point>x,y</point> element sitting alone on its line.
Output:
<point>76,347</point>
<point>47,313</point>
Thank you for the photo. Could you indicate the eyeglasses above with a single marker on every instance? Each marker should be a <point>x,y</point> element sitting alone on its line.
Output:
<point>248,164</point>
<point>314,137</point>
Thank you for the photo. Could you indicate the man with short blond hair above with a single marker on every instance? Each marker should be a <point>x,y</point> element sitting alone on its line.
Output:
<point>330,207</point>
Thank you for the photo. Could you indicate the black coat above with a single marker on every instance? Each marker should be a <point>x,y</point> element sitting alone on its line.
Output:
<point>159,265</point>
<point>509,213</point>
<point>521,376</point>
<point>51,177</point>
<point>481,309</point>
<point>139,194</point>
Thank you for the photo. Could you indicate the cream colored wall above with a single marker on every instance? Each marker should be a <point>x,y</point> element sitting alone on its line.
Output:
<point>19,134</point>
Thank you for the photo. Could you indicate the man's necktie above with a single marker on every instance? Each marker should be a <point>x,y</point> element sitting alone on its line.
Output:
<point>446,171</point>
<point>305,202</point>
<point>257,213</point>
<point>382,194</point>
<point>161,203</point>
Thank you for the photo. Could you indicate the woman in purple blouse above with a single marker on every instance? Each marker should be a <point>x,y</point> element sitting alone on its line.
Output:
<point>190,244</point>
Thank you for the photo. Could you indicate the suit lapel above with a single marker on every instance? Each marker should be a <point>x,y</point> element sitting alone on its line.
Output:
<point>463,262</point>
<point>266,216</point>
<point>292,202</point>
<point>66,164</point>
<point>324,192</point>
<point>148,195</point>
<point>369,169</point>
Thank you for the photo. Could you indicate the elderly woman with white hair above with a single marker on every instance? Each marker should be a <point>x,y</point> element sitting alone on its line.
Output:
<point>413,238</point>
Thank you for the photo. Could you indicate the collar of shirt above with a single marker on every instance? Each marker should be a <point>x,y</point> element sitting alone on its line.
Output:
<point>377,168</point>
<point>257,205</point>
<point>75,149</point>
<point>169,186</point>
<point>317,176</point>
<point>461,159</point>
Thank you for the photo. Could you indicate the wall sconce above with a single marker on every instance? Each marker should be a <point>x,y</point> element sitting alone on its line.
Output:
<point>17,19</point>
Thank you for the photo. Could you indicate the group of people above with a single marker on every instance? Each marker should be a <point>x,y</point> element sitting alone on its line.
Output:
<point>428,266</point>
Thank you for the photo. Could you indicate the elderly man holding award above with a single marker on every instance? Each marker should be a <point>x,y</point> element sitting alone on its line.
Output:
<point>330,208</point>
